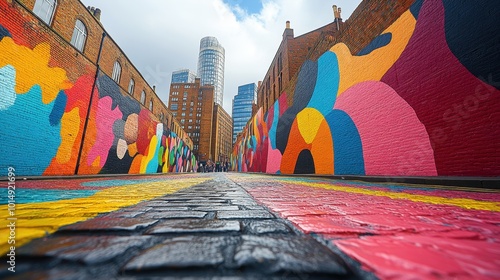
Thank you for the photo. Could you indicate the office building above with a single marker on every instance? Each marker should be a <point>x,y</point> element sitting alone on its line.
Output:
<point>205,122</point>
<point>183,76</point>
<point>242,107</point>
<point>211,66</point>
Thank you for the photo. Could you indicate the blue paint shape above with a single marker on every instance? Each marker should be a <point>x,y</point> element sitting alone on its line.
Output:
<point>473,35</point>
<point>274,126</point>
<point>380,41</point>
<point>4,32</point>
<point>8,84</point>
<point>32,142</point>
<point>43,195</point>
<point>327,83</point>
<point>415,8</point>
<point>58,110</point>
<point>347,147</point>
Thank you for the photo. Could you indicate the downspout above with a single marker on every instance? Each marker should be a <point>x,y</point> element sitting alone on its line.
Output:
<point>85,125</point>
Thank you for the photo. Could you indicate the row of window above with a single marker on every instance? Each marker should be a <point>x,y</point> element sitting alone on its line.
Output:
<point>45,10</point>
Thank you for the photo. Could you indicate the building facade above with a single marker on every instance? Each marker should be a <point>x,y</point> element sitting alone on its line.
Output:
<point>183,76</point>
<point>243,103</point>
<point>71,87</point>
<point>205,122</point>
<point>222,129</point>
<point>192,105</point>
<point>291,54</point>
<point>211,66</point>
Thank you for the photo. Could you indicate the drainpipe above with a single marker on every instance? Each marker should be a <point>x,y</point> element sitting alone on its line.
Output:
<point>85,125</point>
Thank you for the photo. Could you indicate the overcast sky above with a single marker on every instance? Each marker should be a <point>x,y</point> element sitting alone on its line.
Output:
<point>162,36</point>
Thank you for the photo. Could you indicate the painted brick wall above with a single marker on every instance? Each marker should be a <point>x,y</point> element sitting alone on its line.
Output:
<point>419,98</point>
<point>45,89</point>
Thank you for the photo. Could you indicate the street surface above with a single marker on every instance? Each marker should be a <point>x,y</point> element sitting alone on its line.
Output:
<point>248,226</point>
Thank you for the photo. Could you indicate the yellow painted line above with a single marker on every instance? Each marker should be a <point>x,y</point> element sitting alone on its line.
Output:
<point>460,202</point>
<point>36,220</point>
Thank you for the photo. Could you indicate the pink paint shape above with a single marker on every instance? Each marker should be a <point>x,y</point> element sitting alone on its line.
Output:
<point>394,140</point>
<point>424,257</point>
<point>104,121</point>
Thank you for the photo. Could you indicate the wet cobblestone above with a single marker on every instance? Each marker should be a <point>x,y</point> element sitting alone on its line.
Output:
<point>213,230</point>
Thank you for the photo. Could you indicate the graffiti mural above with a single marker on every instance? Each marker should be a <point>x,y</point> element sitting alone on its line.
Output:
<point>421,99</point>
<point>43,112</point>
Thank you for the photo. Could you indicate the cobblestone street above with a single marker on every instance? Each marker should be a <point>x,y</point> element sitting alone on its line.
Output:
<point>236,226</point>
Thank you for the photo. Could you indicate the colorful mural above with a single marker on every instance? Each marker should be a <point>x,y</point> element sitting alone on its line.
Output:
<point>421,99</point>
<point>43,111</point>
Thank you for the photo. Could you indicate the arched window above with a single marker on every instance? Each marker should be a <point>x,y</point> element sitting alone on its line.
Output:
<point>117,72</point>
<point>151,105</point>
<point>131,86</point>
<point>45,10</point>
<point>79,35</point>
<point>143,98</point>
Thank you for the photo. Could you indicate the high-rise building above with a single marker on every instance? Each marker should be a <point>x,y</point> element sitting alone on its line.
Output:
<point>242,107</point>
<point>211,66</point>
<point>183,76</point>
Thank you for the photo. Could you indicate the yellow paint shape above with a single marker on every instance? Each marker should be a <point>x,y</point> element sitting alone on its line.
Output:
<point>308,121</point>
<point>70,125</point>
<point>32,69</point>
<point>46,217</point>
<point>373,66</point>
<point>459,202</point>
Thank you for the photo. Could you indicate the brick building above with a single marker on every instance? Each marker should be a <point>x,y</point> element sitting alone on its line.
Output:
<point>222,134</point>
<point>69,18</point>
<point>205,122</point>
<point>291,53</point>
<point>192,104</point>
<point>103,116</point>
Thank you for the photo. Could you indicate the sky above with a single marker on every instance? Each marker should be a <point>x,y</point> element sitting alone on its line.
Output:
<point>162,36</point>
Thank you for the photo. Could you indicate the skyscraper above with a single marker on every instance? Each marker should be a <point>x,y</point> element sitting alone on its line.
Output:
<point>183,76</point>
<point>211,66</point>
<point>242,107</point>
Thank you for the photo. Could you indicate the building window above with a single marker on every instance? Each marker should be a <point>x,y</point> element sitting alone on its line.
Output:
<point>117,72</point>
<point>45,10</point>
<point>151,105</point>
<point>79,35</point>
<point>143,98</point>
<point>131,86</point>
<point>173,106</point>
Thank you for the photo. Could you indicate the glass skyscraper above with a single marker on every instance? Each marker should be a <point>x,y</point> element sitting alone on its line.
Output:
<point>183,76</point>
<point>211,66</point>
<point>242,107</point>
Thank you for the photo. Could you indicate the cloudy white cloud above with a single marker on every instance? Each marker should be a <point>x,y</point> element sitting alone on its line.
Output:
<point>161,36</point>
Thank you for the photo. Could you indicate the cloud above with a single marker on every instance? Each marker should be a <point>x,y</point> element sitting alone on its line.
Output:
<point>164,36</point>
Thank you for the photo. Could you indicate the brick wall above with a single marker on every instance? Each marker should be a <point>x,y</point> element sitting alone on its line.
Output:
<point>45,90</point>
<point>407,88</point>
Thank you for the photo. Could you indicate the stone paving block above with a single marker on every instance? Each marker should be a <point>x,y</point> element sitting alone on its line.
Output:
<point>243,202</point>
<point>86,249</point>
<point>194,225</point>
<point>110,223</point>
<point>287,253</point>
<point>173,214</point>
<point>173,208</point>
<point>182,252</point>
<point>267,226</point>
<point>245,214</point>
<point>216,208</point>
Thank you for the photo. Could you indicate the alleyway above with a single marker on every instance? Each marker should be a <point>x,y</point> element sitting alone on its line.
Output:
<point>240,226</point>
